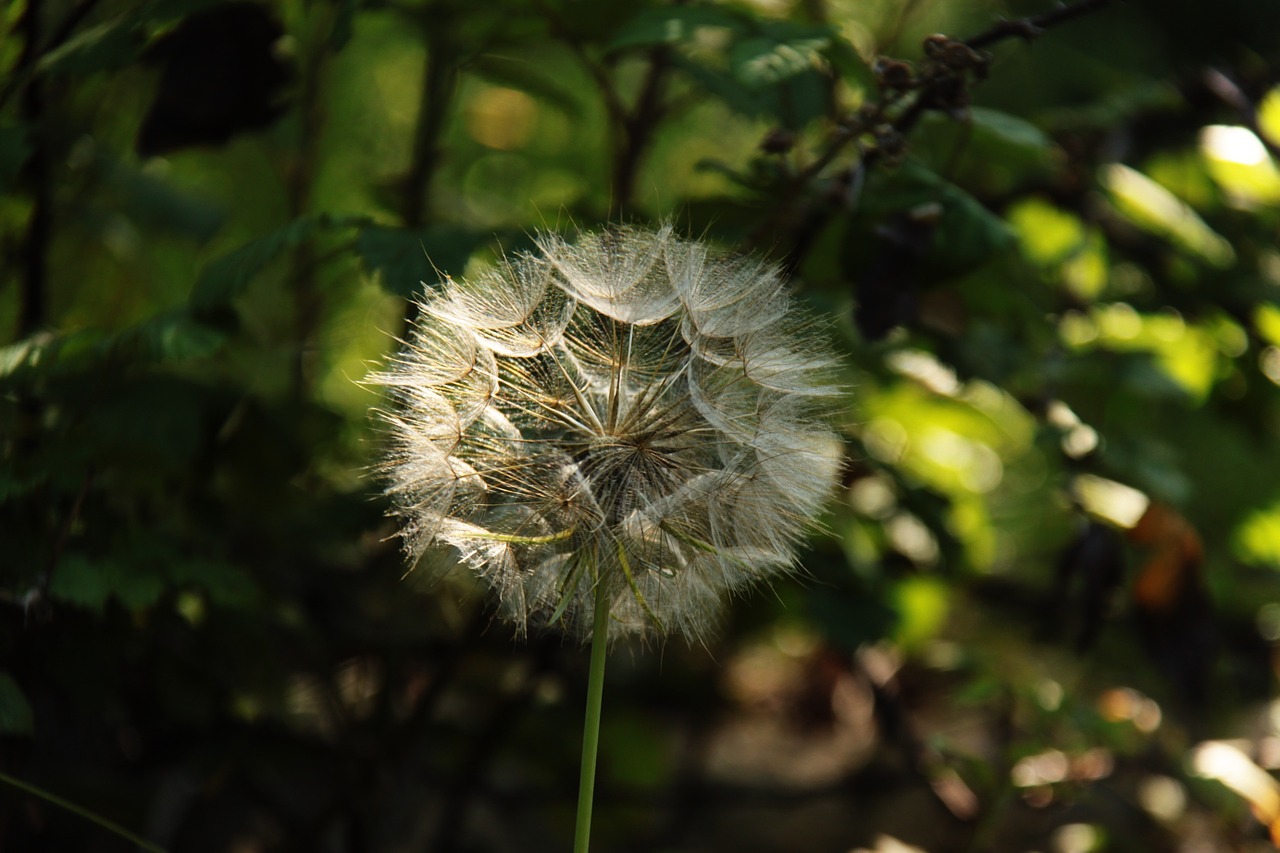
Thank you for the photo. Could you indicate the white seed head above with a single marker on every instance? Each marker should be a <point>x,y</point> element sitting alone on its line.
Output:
<point>630,410</point>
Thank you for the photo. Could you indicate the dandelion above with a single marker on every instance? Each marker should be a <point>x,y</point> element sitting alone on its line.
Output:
<point>615,435</point>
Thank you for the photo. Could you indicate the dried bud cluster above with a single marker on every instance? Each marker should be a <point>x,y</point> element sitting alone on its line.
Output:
<point>631,411</point>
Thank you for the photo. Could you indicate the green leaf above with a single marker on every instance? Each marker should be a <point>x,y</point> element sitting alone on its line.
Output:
<point>672,25</point>
<point>1153,208</point>
<point>991,152</point>
<point>1013,131</point>
<point>967,234</point>
<point>761,61</point>
<point>113,44</point>
<point>15,712</point>
<point>775,69</point>
<point>143,572</point>
<point>82,582</point>
<point>172,336</point>
<point>405,259</point>
<point>227,585</point>
<point>108,46</point>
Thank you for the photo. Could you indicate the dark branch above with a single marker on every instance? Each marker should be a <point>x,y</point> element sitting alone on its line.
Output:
<point>1031,27</point>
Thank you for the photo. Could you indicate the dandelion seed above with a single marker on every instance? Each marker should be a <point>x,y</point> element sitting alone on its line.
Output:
<point>629,416</point>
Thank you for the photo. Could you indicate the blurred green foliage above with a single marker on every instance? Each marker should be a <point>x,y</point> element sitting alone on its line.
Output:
<point>1043,610</point>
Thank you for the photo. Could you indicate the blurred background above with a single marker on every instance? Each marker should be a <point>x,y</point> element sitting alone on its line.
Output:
<point>1042,612</point>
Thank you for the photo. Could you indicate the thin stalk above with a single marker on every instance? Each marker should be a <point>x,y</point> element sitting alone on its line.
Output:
<point>109,825</point>
<point>591,726</point>
<point>300,183</point>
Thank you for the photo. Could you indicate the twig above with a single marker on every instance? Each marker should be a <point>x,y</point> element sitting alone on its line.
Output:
<point>637,130</point>
<point>109,825</point>
<point>632,128</point>
<point>943,85</point>
<point>439,83</point>
<point>300,182</point>
<point>1035,25</point>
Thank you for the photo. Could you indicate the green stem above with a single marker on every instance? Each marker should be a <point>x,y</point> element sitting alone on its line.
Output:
<point>591,726</point>
<point>110,826</point>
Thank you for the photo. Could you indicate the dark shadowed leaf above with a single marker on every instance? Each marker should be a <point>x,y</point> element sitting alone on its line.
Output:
<point>15,712</point>
<point>404,259</point>
<point>15,147</point>
<point>967,234</point>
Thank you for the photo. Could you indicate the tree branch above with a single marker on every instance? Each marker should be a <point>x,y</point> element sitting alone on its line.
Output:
<point>1035,25</point>
<point>637,130</point>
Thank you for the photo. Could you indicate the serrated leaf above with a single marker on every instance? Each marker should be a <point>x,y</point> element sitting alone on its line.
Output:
<point>404,258</point>
<point>672,25</point>
<point>16,717</point>
<point>774,71</point>
<point>762,61</point>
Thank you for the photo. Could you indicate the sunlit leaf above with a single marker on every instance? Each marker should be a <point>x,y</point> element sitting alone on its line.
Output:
<point>1240,164</point>
<point>923,604</point>
<point>1257,539</point>
<point>1049,234</point>
<point>1266,318</point>
<point>1269,115</point>
<point>1151,206</point>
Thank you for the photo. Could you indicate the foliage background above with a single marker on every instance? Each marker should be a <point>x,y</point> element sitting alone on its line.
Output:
<point>1045,610</point>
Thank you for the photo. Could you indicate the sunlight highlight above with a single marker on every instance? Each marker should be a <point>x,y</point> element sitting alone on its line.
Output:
<point>1233,145</point>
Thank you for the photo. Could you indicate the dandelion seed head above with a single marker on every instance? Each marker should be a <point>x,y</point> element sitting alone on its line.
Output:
<point>630,411</point>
